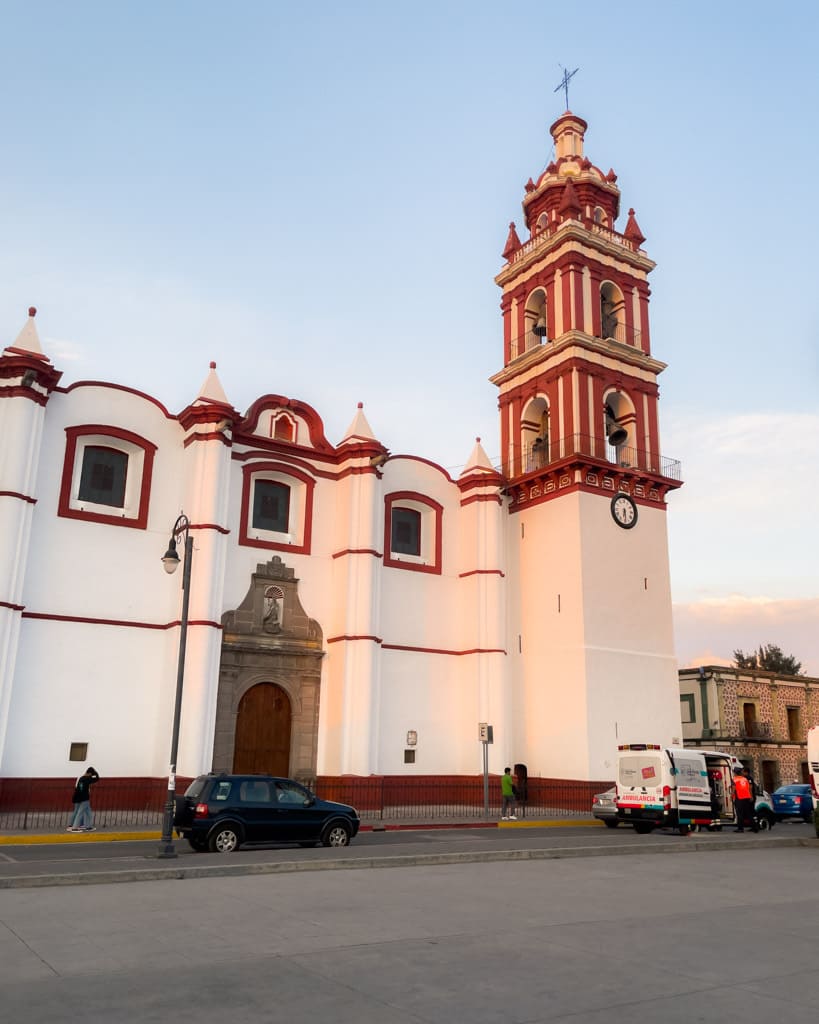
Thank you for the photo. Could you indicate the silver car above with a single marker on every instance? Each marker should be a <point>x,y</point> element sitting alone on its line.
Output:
<point>604,807</point>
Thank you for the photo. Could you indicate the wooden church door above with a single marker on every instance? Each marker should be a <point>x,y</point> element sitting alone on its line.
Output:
<point>263,732</point>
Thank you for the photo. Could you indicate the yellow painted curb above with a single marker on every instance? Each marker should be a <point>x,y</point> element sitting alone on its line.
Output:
<point>561,823</point>
<point>76,837</point>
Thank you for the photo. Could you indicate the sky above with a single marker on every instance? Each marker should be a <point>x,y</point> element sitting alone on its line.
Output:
<point>317,196</point>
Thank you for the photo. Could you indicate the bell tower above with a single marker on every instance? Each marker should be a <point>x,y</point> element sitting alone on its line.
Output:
<point>586,479</point>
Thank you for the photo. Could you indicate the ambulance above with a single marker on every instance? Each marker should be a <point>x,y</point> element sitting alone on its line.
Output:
<point>674,787</point>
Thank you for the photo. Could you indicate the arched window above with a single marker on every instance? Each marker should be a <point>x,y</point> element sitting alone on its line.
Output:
<point>535,319</point>
<point>283,428</point>
<point>620,424</point>
<point>536,443</point>
<point>612,312</point>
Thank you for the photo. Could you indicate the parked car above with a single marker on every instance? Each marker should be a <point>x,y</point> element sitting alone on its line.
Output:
<point>604,807</point>
<point>221,812</point>
<point>793,801</point>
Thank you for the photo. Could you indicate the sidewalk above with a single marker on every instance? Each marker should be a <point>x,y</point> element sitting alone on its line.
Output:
<point>30,837</point>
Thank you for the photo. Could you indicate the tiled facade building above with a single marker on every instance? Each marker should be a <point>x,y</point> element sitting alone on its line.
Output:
<point>761,717</point>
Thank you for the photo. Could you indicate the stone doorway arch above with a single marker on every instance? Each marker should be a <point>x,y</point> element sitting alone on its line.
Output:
<point>269,641</point>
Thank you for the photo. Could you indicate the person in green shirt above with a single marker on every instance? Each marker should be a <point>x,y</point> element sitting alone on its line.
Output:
<point>508,794</point>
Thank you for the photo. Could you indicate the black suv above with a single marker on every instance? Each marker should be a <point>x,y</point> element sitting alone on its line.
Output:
<point>220,812</point>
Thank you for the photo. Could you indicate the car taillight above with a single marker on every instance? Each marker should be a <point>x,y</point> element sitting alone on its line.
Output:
<point>667,795</point>
<point>201,811</point>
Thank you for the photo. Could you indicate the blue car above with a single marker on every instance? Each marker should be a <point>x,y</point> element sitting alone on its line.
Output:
<point>794,801</point>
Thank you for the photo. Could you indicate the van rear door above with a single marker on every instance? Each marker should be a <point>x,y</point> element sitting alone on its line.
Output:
<point>640,782</point>
<point>691,782</point>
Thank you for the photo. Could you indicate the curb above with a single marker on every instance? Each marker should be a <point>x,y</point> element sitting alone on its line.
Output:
<point>156,874</point>
<point>48,838</point>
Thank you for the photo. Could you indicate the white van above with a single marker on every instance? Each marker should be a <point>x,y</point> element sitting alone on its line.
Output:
<point>674,787</point>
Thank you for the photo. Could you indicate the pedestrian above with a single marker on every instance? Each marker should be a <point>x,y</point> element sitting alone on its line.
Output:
<point>83,818</point>
<point>508,795</point>
<point>743,802</point>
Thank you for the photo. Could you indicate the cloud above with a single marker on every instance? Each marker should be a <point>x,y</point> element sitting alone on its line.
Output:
<point>708,632</point>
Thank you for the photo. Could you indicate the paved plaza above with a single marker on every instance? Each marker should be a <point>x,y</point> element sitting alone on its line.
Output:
<point>716,936</point>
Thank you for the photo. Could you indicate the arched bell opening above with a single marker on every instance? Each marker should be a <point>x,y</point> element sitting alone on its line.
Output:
<point>620,426</point>
<point>535,321</point>
<point>534,435</point>
<point>612,312</point>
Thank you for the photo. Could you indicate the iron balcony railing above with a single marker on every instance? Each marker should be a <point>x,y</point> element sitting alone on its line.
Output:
<point>534,243</point>
<point>613,329</point>
<point>543,454</point>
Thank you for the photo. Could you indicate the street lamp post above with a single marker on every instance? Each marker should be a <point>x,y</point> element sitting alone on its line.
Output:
<point>171,561</point>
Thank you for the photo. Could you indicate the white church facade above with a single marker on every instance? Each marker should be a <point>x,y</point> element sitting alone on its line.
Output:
<point>354,613</point>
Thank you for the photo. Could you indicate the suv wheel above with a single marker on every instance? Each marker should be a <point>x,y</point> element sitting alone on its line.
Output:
<point>224,839</point>
<point>337,834</point>
<point>766,821</point>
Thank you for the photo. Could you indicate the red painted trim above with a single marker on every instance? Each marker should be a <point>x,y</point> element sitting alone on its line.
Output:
<point>481,497</point>
<point>209,526</point>
<point>117,387</point>
<point>149,450</point>
<point>130,624</point>
<point>16,494</point>
<point>395,498</point>
<point>357,551</point>
<point>482,572</point>
<point>14,607</point>
<point>277,451</point>
<point>517,506</point>
<point>206,410</point>
<point>213,435</point>
<point>26,352</point>
<point>347,636</point>
<point>315,427</point>
<point>437,650</point>
<point>17,391</point>
<point>260,468</point>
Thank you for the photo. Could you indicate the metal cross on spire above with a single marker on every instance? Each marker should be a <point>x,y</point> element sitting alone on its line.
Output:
<point>564,83</point>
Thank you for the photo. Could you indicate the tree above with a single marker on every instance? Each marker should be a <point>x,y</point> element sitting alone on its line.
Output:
<point>769,658</point>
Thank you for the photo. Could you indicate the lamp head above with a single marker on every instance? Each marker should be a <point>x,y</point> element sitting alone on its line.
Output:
<point>170,560</point>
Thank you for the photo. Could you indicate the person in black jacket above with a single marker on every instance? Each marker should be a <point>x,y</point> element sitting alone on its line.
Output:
<point>83,818</point>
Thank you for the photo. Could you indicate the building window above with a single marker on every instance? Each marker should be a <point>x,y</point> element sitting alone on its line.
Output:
<point>106,476</point>
<point>102,479</point>
<point>409,757</point>
<point>277,507</point>
<point>413,525</point>
<point>749,722</point>
<point>271,506</point>
<point>794,730</point>
<point>406,531</point>
<point>78,752</point>
<point>687,711</point>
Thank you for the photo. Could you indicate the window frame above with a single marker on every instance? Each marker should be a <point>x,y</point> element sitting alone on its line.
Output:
<point>298,539</point>
<point>431,532</point>
<point>138,475</point>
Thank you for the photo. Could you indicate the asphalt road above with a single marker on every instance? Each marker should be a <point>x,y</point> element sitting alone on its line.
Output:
<point>80,858</point>
<point>713,937</point>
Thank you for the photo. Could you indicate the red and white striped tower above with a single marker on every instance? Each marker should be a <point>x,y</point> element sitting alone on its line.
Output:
<point>587,480</point>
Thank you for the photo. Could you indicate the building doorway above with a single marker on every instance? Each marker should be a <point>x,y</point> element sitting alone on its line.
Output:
<point>262,744</point>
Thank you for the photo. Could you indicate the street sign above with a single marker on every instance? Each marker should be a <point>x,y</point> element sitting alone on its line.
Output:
<point>485,733</point>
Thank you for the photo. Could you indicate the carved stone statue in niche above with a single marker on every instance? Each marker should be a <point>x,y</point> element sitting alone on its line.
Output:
<point>272,615</point>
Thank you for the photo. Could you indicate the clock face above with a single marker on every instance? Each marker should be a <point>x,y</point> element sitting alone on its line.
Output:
<point>624,511</point>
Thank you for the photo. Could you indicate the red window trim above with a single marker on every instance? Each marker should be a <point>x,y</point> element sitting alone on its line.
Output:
<point>395,498</point>
<point>256,468</point>
<point>73,435</point>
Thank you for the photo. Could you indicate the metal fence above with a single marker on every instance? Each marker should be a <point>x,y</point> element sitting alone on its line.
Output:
<point>46,803</point>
